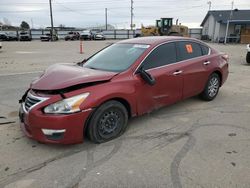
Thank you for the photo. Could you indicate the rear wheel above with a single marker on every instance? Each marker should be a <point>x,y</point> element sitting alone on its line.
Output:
<point>212,87</point>
<point>248,57</point>
<point>108,122</point>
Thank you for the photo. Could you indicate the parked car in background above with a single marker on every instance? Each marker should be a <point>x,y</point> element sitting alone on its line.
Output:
<point>25,36</point>
<point>47,37</point>
<point>72,36</point>
<point>248,54</point>
<point>86,35</point>
<point>136,35</point>
<point>4,36</point>
<point>96,97</point>
<point>221,40</point>
<point>99,36</point>
<point>12,36</point>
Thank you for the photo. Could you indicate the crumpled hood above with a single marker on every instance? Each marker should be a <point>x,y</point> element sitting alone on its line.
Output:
<point>62,76</point>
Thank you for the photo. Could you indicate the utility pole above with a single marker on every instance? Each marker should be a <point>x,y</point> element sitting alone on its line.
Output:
<point>32,26</point>
<point>132,14</point>
<point>106,19</point>
<point>230,17</point>
<point>207,30</point>
<point>51,20</point>
<point>232,8</point>
<point>210,5</point>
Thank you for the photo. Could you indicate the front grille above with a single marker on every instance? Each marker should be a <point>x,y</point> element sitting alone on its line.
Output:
<point>30,101</point>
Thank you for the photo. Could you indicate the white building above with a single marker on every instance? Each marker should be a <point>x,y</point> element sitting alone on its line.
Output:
<point>215,24</point>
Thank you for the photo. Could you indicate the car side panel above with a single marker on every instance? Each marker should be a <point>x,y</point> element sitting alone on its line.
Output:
<point>195,76</point>
<point>100,93</point>
<point>167,89</point>
<point>223,68</point>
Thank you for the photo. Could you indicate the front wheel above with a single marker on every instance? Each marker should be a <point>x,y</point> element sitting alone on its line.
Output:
<point>248,57</point>
<point>212,87</point>
<point>108,122</point>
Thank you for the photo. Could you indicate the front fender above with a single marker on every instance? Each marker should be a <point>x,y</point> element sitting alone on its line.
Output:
<point>123,91</point>
<point>101,93</point>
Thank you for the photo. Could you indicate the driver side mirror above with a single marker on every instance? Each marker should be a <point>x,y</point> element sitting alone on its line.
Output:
<point>146,76</point>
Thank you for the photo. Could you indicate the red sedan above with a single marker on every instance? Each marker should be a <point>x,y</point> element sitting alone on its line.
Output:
<point>96,97</point>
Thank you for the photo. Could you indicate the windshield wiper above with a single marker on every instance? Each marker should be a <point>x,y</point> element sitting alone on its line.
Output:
<point>82,62</point>
<point>92,68</point>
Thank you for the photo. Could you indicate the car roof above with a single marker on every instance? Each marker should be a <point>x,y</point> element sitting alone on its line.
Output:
<point>154,40</point>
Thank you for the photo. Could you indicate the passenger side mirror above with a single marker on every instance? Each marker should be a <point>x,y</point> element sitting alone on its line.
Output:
<point>146,77</point>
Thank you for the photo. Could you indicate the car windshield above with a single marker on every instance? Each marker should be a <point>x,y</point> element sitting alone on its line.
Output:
<point>116,58</point>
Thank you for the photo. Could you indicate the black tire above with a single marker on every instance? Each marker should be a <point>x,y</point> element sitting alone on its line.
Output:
<point>109,121</point>
<point>248,57</point>
<point>212,87</point>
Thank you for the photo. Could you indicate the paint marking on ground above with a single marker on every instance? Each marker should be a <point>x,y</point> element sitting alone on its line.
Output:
<point>21,73</point>
<point>27,52</point>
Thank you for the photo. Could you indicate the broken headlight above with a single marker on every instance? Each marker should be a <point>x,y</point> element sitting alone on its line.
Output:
<point>66,106</point>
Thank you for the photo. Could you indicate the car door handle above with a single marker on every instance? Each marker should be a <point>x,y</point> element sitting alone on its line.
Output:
<point>177,72</point>
<point>206,62</point>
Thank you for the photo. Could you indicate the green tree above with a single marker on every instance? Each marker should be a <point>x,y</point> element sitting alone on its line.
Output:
<point>24,25</point>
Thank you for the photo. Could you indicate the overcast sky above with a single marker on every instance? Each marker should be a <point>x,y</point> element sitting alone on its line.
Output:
<point>85,13</point>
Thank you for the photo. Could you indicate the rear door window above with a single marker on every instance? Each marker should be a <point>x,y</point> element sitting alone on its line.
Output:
<point>163,55</point>
<point>204,49</point>
<point>188,50</point>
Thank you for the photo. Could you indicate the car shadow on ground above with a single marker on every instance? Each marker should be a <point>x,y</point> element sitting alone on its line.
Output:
<point>246,64</point>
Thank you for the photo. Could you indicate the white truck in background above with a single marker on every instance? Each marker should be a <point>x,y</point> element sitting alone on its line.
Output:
<point>248,54</point>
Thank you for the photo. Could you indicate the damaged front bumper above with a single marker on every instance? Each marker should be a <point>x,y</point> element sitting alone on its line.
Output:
<point>53,128</point>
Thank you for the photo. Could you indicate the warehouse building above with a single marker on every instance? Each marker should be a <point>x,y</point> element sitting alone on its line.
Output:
<point>234,25</point>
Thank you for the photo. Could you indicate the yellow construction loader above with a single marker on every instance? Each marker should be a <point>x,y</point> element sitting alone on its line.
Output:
<point>165,27</point>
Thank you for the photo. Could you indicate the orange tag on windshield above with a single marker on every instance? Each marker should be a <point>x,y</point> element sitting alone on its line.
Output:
<point>189,48</point>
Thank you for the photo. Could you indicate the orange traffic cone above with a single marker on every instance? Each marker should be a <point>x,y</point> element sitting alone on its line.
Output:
<point>81,46</point>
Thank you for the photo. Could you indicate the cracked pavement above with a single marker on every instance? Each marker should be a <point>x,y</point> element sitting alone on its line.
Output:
<point>189,144</point>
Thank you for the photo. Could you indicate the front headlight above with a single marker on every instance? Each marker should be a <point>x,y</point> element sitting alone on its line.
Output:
<point>66,106</point>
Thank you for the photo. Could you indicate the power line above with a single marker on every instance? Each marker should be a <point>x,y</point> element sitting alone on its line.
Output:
<point>76,2</point>
<point>69,9</point>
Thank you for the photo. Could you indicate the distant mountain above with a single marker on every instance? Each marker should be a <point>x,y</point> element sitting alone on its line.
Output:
<point>102,27</point>
<point>8,27</point>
